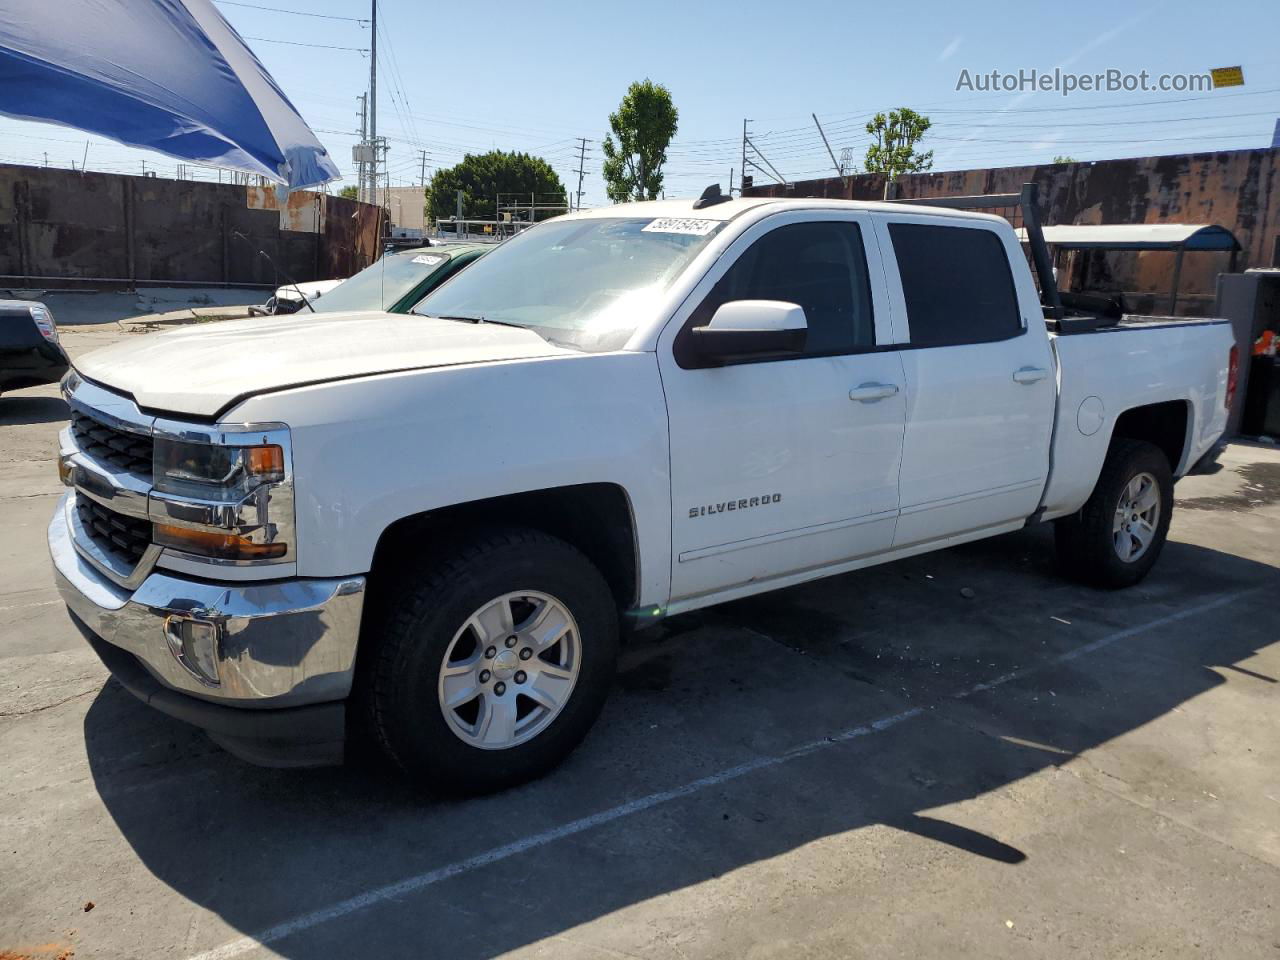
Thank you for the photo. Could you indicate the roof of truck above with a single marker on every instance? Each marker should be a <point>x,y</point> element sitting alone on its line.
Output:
<point>730,209</point>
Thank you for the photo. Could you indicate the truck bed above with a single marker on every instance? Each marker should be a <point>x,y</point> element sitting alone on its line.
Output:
<point>1159,360</point>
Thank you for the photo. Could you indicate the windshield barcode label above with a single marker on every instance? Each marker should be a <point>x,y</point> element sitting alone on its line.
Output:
<point>685,225</point>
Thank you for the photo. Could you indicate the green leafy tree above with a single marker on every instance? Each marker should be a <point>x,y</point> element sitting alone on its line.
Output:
<point>634,153</point>
<point>482,176</point>
<point>893,150</point>
<point>1063,158</point>
<point>350,192</point>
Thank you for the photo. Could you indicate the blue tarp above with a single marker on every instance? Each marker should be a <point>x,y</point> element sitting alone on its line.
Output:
<point>170,75</point>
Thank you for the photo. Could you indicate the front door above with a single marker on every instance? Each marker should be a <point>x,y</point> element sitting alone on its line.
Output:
<point>784,464</point>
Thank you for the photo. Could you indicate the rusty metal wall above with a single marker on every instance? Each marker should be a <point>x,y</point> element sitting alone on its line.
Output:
<point>1239,189</point>
<point>64,225</point>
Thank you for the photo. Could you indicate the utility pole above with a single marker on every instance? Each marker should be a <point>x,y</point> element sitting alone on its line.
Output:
<point>769,169</point>
<point>582,156</point>
<point>830,152</point>
<point>373,95</point>
<point>422,178</point>
<point>362,168</point>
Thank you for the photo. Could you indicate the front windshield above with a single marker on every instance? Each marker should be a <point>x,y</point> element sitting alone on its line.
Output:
<point>384,282</point>
<point>585,283</point>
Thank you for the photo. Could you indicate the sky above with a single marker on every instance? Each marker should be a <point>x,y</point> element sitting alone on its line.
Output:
<point>457,78</point>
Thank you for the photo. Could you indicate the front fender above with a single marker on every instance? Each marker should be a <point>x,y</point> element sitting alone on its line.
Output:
<point>370,451</point>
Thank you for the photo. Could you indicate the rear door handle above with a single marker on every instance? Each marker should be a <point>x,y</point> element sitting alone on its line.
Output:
<point>1030,374</point>
<point>871,392</point>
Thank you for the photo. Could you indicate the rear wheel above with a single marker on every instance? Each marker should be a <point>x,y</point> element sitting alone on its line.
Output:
<point>492,664</point>
<point>1117,536</point>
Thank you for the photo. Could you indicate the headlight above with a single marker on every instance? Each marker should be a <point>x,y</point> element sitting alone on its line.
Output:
<point>225,495</point>
<point>205,469</point>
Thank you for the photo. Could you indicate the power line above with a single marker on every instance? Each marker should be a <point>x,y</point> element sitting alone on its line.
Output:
<point>296,13</point>
<point>1123,122</point>
<point>1035,140</point>
<point>1103,106</point>
<point>299,43</point>
<point>397,82</point>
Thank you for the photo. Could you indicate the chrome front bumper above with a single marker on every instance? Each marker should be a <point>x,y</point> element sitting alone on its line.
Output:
<point>273,644</point>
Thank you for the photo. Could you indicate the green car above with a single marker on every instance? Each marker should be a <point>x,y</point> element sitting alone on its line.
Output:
<point>399,280</point>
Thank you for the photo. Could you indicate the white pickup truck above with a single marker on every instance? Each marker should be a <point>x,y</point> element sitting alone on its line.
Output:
<point>432,529</point>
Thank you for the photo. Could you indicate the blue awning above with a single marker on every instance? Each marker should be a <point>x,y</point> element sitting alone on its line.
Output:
<point>169,75</point>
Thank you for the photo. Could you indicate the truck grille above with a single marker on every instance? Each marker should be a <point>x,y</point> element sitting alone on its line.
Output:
<point>126,537</point>
<point>121,449</point>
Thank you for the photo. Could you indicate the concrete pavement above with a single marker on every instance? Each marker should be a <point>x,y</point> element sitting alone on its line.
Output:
<point>871,765</point>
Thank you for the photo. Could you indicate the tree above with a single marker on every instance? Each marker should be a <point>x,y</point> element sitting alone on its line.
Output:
<point>482,176</point>
<point>894,149</point>
<point>350,192</point>
<point>1063,158</point>
<point>644,124</point>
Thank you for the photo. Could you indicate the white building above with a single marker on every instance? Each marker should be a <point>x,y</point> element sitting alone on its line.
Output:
<point>407,207</point>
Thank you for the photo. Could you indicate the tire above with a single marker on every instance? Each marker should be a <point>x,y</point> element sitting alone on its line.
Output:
<point>1090,544</point>
<point>431,621</point>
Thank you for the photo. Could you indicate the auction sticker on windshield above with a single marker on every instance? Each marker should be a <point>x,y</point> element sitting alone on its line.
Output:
<point>686,225</point>
<point>428,259</point>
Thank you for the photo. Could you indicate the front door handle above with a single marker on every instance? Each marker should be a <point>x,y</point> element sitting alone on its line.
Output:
<point>1030,374</point>
<point>871,392</point>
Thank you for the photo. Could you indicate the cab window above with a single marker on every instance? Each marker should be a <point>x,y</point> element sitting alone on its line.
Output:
<point>822,267</point>
<point>957,284</point>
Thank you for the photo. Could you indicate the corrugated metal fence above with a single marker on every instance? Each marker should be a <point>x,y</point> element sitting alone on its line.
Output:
<point>62,227</point>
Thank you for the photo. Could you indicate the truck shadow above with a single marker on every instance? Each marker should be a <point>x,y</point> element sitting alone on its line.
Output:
<point>20,409</point>
<point>707,692</point>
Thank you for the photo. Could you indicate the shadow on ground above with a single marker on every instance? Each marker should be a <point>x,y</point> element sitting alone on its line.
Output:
<point>710,691</point>
<point>17,409</point>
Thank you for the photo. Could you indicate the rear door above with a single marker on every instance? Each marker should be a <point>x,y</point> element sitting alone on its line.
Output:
<point>979,376</point>
<point>786,463</point>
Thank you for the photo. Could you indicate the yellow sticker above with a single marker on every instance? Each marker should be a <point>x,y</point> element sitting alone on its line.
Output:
<point>1227,77</point>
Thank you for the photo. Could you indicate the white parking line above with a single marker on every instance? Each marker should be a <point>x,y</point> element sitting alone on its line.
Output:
<point>421,881</point>
<point>24,606</point>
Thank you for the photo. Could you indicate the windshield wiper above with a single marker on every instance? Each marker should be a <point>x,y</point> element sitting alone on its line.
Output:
<point>477,320</point>
<point>504,323</point>
<point>462,317</point>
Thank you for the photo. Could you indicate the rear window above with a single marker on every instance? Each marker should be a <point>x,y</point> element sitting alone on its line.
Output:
<point>957,284</point>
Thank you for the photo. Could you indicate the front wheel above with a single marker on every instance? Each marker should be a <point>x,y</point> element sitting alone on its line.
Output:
<point>492,664</point>
<point>1117,536</point>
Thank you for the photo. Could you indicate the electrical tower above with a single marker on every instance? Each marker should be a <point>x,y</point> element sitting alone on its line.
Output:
<point>846,161</point>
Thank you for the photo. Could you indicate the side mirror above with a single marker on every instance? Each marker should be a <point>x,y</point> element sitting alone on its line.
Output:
<point>743,329</point>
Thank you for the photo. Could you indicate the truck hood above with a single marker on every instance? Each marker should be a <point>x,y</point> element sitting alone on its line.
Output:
<point>204,369</point>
